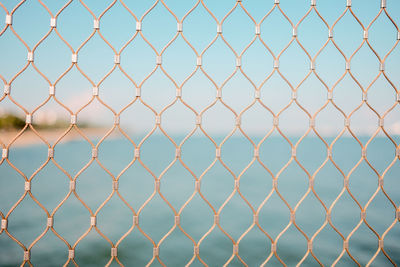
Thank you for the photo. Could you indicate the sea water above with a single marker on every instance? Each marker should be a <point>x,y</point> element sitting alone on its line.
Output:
<point>50,187</point>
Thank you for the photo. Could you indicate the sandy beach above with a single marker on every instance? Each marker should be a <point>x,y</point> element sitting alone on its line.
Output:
<point>28,137</point>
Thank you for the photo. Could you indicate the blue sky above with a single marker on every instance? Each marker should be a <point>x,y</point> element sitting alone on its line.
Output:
<point>75,24</point>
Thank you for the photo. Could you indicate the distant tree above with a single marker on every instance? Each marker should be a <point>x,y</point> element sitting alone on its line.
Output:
<point>9,121</point>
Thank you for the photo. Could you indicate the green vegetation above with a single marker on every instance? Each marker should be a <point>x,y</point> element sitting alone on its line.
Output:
<point>12,122</point>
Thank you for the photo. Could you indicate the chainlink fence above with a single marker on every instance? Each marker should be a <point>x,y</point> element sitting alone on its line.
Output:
<point>137,30</point>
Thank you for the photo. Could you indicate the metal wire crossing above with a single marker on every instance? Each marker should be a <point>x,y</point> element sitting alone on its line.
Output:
<point>197,126</point>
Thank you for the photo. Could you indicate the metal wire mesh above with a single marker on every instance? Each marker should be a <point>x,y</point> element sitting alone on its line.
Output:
<point>179,97</point>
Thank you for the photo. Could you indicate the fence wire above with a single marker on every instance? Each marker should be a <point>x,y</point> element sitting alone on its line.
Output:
<point>158,64</point>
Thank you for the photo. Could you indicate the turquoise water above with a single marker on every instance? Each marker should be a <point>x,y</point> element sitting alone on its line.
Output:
<point>50,186</point>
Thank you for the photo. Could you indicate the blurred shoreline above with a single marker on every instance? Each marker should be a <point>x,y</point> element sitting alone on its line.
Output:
<point>29,138</point>
<point>51,135</point>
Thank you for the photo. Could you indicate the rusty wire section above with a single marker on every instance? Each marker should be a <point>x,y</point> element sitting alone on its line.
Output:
<point>158,125</point>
